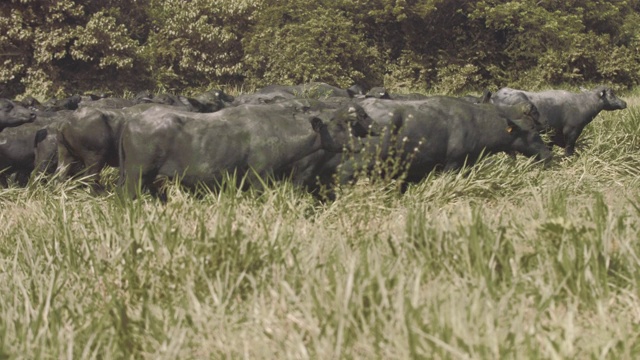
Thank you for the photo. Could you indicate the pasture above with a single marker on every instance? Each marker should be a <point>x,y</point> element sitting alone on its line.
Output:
<point>506,259</point>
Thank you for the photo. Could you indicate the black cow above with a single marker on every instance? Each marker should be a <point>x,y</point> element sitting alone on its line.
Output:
<point>220,95</point>
<point>252,141</point>
<point>482,99</point>
<point>443,133</point>
<point>562,113</point>
<point>378,92</point>
<point>108,103</point>
<point>315,90</point>
<point>13,114</point>
<point>262,98</point>
<point>45,144</point>
<point>210,101</point>
<point>68,103</point>
<point>90,137</point>
<point>118,103</point>
<point>31,103</point>
<point>409,96</point>
<point>381,93</point>
<point>17,151</point>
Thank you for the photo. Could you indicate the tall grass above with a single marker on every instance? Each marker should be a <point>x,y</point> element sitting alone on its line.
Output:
<point>505,260</point>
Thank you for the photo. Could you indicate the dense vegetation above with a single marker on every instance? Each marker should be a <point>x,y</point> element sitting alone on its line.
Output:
<point>58,47</point>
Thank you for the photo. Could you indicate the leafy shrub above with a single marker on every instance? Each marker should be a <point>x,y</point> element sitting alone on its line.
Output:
<point>303,41</point>
<point>195,43</point>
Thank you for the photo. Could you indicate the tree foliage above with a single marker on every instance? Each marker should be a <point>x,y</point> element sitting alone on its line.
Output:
<point>59,47</point>
<point>194,43</point>
<point>307,40</point>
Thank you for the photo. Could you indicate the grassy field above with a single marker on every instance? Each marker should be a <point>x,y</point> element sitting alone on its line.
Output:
<point>508,260</point>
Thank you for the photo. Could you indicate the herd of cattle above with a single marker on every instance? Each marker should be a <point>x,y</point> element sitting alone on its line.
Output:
<point>314,134</point>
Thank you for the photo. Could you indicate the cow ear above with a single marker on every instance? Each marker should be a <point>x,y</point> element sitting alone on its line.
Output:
<point>527,109</point>
<point>486,96</point>
<point>185,100</point>
<point>352,112</point>
<point>316,124</point>
<point>40,135</point>
<point>355,90</point>
<point>512,126</point>
<point>199,106</point>
<point>603,92</point>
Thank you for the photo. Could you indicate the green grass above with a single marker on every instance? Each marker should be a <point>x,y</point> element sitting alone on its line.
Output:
<point>506,260</point>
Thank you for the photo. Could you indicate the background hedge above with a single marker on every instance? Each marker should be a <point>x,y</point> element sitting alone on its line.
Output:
<point>59,47</point>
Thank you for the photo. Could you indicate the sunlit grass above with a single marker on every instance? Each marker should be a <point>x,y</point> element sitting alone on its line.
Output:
<point>504,260</point>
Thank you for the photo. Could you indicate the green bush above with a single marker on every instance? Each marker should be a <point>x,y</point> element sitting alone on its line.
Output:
<point>196,43</point>
<point>304,41</point>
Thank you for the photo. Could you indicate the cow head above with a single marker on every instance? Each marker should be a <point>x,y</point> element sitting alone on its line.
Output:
<point>166,99</point>
<point>378,93</point>
<point>144,96</point>
<point>486,97</point>
<point>69,103</point>
<point>522,126</point>
<point>31,103</point>
<point>212,100</point>
<point>522,109</point>
<point>346,123</point>
<point>221,95</point>
<point>12,114</point>
<point>609,100</point>
<point>355,91</point>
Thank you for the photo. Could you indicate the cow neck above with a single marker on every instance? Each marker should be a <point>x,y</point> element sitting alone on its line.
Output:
<point>500,140</point>
<point>302,146</point>
<point>589,101</point>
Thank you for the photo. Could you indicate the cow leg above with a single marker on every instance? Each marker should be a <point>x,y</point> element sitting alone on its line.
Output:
<point>348,172</point>
<point>322,188</point>
<point>94,163</point>
<point>157,187</point>
<point>4,183</point>
<point>452,165</point>
<point>65,163</point>
<point>22,178</point>
<point>45,164</point>
<point>135,179</point>
<point>571,137</point>
<point>94,177</point>
<point>128,184</point>
<point>558,139</point>
<point>255,181</point>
